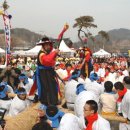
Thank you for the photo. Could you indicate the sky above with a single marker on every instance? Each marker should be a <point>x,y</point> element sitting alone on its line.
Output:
<point>49,16</point>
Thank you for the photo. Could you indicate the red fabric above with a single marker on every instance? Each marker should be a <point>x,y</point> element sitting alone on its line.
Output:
<point>49,59</point>
<point>63,31</point>
<point>87,58</point>
<point>121,94</point>
<point>79,66</point>
<point>8,59</point>
<point>61,35</point>
<point>106,74</point>
<point>62,66</point>
<point>33,88</point>
<point>101,79</point>
<point>58,87</point>
<point>96,67</point>
<point>91,120</point>
<point>68,75</point>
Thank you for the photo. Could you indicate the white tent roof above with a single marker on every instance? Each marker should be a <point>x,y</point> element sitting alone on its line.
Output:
<point>33,51</point>
<point>2,50</point>
<point>64,48</point>
<point>101,53</point>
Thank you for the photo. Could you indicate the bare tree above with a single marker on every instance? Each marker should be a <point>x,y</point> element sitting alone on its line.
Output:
<point>84,22</point>
<point>5,5</point>
<point>105,37</point>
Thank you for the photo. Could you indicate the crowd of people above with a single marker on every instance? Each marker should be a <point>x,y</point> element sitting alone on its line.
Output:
<point>92,87</point>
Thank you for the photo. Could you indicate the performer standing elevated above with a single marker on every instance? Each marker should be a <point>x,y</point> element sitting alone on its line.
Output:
<point>45,74</point>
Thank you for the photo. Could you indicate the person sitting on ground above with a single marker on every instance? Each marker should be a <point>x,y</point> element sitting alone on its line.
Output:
<point>5,101</point>
<point>82,96</point>
<point>68,71</point>
<point>108,99</point>
<point>126,82</point>
<point>123,104</point>
<point>70,89</point>
<point>70,122</point>
<point>19,102</point>
<point>50,114</point>
<point>94,85</point>
<point>92,120</point>
<point>25,82</point>
<point>3,91</point>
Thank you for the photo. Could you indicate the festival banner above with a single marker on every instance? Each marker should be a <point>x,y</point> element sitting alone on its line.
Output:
<point>7,28</point>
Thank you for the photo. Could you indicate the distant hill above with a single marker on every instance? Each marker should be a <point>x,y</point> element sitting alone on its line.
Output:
<point>25,39</point>
<point>119,41</point>
<point>21,38</point>
<point>119,34</point>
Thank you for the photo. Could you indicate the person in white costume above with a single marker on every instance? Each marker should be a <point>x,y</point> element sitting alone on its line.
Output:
<point>81,80</point>
<point>93,121</point>
<point>94,86</point>
<point>67,72</point>
<point>124,71</point>
<point>5,101</point>
<point>112,75</point>
<point>69,122</point>
<point>19,102</point>
<point>4,81</point>
<point>102,70</point>
<point>95,69</point>
<point>119,76</point>
<point>82,97</point>
<point>70,89</point>
<point>25,82</point>
<point>124,99</point>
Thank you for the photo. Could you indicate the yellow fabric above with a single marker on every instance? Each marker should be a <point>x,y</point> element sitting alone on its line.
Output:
<point>109,113</point>
<point>86,69</point>
<point>1,12</point>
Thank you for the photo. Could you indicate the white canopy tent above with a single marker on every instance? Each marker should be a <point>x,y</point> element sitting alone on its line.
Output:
<point>102,53</point>
<point>64,48</point>
<point>20,52</point>
<point>33,51</point>
<point>2,50</point>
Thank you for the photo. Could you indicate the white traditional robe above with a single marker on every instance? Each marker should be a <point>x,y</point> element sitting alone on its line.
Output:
<point>102,72</point>
<point>70,93</point>
<point>125,105</point>
<point>61,73</point>
<point>81,80</point>
<point>5,104</point>
<point>124,126</point>
<point>81,100</point>
<point>100,124</point>
<point>69,122</point>
<point>125,72</point>
<point>111,77</point>
<point>120,78</point>
<point>17,106</point>
<point>87,81</point>
<point>27,86</point>
<point>97,88</point>
<point>125,109</point>
<point>10,89</point>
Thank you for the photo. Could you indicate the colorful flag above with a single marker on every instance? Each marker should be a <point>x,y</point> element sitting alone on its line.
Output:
<point>7,27</point>
<point>66,26</point>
